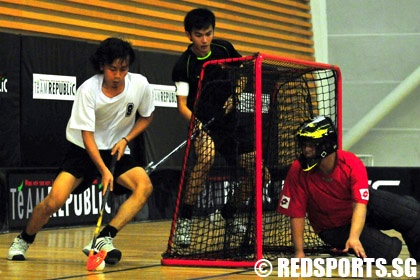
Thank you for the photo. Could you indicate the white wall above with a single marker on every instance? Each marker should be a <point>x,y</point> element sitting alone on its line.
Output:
<point>376,43</point>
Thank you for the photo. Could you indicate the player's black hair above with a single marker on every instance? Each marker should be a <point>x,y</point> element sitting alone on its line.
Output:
<point>110,49</point>
<point>198,19</point>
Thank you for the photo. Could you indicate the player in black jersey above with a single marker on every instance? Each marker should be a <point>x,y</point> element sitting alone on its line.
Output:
<point>199,25</point>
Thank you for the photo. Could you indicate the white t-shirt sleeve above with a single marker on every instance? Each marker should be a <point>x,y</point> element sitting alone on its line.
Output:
<point>83,112</point>
<point>182,88</point>
<point>146,106</point>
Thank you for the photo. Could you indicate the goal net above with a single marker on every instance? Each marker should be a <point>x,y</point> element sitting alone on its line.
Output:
<point>240,146</point>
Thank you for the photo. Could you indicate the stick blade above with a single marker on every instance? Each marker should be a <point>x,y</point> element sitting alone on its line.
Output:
<point>94,260</point>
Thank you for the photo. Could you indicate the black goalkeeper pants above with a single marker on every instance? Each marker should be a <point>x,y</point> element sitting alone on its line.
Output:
<point>385,211</point>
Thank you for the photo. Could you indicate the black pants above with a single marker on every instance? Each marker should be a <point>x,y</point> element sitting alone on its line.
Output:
<point>385,211</point>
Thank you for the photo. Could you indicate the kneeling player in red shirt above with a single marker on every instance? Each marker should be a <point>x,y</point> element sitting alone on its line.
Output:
<point>331,187</point>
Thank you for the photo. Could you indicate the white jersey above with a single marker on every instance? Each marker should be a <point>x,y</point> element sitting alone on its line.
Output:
<point>109,118</point>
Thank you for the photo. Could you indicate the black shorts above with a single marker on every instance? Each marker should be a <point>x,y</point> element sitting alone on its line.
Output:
<point>233,135</point>
<point>78,163</point>
<point>231,145</point>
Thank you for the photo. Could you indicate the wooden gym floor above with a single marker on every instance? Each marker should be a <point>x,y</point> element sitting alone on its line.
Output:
<point>56,254</point>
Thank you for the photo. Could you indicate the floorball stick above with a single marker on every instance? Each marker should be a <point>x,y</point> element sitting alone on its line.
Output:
<point>151,166</point>
<point>94,260</point>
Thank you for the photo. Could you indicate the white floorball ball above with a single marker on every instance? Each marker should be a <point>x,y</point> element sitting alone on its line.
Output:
<point>101,266</point>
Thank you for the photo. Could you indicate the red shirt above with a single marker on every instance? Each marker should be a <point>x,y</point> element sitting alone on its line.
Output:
<point>328,199</point>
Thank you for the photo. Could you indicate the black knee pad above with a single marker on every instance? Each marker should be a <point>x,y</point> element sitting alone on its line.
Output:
<point>388,210</point>
<point>414,249</point>
<point>394,249</point>
<point>379,245</point>
<point>398,212</point>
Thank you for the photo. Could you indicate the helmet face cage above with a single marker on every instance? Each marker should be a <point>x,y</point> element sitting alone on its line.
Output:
<point>319,131</point>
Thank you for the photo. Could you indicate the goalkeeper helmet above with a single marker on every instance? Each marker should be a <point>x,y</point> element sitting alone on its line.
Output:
<point>320,132</point>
